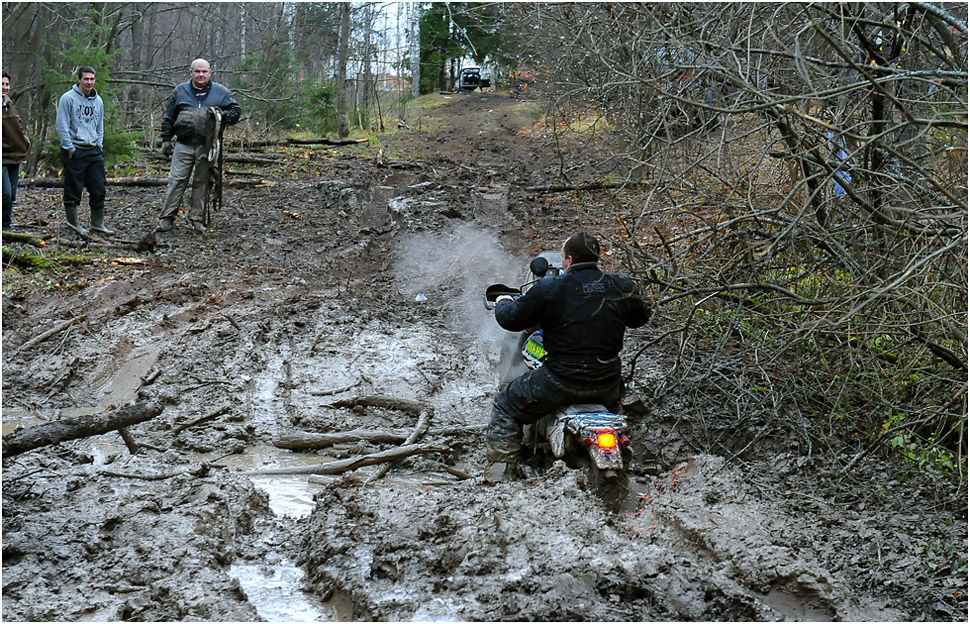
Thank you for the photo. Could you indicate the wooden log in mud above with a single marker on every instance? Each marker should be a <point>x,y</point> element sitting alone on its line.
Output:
<point>145,180</point>
<point>127,181</point>
<point>37,240</point>
<point>304,440</point>
<point>23,440</point>
<point>352,463</point>
<point>563,188</point>
<point>403,405</point>
<point>332,142</point>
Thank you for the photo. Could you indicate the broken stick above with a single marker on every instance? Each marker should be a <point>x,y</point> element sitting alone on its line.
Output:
<point>419,430</point>
<point>303,440</point>
<point>352,463</point>
<point>47,334</point>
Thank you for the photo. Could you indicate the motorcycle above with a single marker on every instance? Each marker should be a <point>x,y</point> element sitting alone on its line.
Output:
<point>582,435</point>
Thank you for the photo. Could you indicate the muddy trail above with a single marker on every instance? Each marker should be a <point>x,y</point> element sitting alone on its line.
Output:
<point>346,298</point>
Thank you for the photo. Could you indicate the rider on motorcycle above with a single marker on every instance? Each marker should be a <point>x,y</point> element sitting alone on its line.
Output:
<point>583,314</point>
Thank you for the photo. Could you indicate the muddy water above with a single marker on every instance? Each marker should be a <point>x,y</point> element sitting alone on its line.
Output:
<point>273,587</point>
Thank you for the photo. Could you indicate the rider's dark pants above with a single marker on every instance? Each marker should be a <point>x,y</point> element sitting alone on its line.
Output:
<point>531,396</point>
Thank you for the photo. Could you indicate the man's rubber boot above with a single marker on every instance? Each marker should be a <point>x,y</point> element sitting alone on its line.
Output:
<point>71,212</point>
<point>97,221</point>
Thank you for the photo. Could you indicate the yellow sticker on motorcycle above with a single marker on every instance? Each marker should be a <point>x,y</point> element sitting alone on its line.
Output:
<point>533,351</point>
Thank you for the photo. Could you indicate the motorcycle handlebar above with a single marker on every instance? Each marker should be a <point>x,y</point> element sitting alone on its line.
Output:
<point>494,291</point>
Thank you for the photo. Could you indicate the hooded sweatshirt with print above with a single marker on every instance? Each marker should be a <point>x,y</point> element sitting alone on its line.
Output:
<point>80,120</point>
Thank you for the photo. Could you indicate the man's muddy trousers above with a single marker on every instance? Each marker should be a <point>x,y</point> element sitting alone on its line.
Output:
<point>531,396</point>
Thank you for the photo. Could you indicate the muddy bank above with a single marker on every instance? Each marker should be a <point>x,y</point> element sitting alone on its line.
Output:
<point>272,322</point>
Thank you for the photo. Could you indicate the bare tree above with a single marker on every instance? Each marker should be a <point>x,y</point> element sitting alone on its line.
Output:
<point>342,81</point>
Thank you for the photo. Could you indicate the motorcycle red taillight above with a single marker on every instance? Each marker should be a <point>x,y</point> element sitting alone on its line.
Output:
<point>606,440</point>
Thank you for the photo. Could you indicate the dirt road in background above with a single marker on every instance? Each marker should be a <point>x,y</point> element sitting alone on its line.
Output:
<point>360,279</point>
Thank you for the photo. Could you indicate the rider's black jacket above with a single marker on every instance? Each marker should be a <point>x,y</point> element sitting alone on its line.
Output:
<point>583,314</point>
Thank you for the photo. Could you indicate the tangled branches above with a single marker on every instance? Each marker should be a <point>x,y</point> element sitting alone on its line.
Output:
<point>807,220</point>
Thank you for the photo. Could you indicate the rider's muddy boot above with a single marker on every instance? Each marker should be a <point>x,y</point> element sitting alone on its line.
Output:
<point>503,440</point>
<point>97,221</point>
<point>71,213</point>
<point>497,472</point>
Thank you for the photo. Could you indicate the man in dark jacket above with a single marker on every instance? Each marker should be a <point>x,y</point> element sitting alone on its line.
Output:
<point>186,113</point>
<point>15,146</point>
<point>584,314</point>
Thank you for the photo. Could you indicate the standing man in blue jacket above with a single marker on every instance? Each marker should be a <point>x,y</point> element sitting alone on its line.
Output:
<point>80,127</point>
<point>186,112</point>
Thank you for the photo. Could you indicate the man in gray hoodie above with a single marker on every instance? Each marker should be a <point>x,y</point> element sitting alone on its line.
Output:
<point>80,126</point>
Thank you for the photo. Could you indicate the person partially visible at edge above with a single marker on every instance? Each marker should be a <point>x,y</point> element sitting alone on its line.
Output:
<point>584,314</point>
<point>15,146</point>
<point>185,119</point>
<point>80,127</point>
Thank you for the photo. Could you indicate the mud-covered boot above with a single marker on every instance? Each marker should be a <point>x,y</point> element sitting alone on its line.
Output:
<point>97,221</point>
<point>499,471</point>
<point>503,459</point>
<point>71,213</point>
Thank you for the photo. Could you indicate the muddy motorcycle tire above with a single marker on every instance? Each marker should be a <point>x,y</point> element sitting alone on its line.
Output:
<point>612,487</point>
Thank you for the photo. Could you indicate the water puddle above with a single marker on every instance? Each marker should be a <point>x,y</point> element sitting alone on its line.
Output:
<point>289,495</point>
<point>275,593</point>
<point>21,418</point>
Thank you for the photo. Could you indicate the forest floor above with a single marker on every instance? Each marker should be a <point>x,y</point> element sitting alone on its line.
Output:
<point>356,273</point>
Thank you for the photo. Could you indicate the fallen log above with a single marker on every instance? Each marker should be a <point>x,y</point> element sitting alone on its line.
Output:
<point>322,141</point>
<point>128,181</point>
<point>302,440</point>
<point>37,240</point>
<point>563,188</point>
<point>352,463</point>
<point>144,180</point>
<point>23,440</point>
<point>250,160</point>
<point>403,405</point>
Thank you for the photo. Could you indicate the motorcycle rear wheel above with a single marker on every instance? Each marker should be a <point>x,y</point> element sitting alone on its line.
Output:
<point>612,487</point>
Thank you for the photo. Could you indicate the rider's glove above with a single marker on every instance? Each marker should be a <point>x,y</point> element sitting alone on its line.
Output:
<point>167,148</point>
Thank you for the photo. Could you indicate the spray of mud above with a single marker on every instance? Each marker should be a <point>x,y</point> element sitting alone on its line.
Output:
<point>451,270</point>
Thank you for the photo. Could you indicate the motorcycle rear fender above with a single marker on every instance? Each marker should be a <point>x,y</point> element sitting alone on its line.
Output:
<point>606,459</point>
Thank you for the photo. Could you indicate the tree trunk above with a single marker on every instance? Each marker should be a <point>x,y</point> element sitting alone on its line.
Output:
<point>415,49</point>
<point>23,440</point>
<point>342,94</point>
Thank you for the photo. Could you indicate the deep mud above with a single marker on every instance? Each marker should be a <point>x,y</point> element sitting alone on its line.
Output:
<point>362,280</point>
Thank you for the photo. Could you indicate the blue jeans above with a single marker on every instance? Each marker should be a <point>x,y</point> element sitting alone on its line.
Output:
<point>11,173</point>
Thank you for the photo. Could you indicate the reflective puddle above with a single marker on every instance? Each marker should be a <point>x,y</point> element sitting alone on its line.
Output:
<point>274,590</point>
